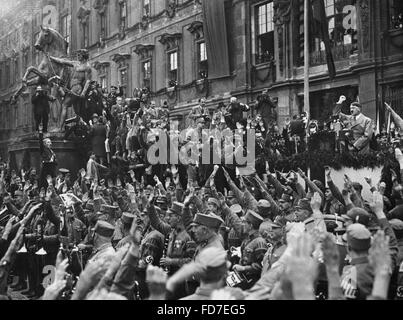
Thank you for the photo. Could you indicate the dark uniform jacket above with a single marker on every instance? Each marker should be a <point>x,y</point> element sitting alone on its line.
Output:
<point>253,250</point>
<point>180,248</point>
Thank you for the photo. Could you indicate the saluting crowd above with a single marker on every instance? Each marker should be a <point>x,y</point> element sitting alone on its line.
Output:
<point>123,228</point>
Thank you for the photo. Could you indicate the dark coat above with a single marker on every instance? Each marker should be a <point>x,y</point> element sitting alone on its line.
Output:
<point>98,137</point>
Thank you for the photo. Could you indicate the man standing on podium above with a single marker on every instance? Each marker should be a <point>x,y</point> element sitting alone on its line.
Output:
<point>360,129</point>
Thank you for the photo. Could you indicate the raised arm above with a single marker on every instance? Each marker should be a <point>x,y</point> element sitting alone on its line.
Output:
<point>62,61</point>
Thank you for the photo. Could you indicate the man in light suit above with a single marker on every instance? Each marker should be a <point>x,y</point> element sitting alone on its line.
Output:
<point>361,128</point>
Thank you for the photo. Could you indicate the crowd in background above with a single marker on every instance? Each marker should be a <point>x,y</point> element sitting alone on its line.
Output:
<point>125,229</point>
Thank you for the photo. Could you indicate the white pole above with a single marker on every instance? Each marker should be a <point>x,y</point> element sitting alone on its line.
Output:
<point>306,58</point>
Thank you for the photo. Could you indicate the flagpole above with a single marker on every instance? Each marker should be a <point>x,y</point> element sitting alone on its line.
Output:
<point>306,71</point>
<point>306,58</point>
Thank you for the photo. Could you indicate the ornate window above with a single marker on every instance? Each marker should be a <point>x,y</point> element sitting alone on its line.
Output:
<point>264,32</point>
<point>122,60</point>
<point>171,42</point>
<point>145,53</point>
<point>103,72</point>
<point>173,68</point>
<point>196,28</point>
<point>146,74</point>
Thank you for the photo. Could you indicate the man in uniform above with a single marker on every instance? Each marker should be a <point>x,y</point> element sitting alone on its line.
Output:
<point>274,235</point>
<point>361,127</point>
<point>79,84</point>
<point>253,250</point>
<point>121,235</point>
<point>103,249</point>
<point>180,248</point>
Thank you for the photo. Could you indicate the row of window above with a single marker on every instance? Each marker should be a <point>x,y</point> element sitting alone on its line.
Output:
<point>172,69</point>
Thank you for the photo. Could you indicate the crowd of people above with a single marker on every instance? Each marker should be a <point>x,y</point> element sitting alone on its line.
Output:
<point>126,229</point>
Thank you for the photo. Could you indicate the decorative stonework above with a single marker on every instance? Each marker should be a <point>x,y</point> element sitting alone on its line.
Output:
<point>196,28</point>
<point>144,51</point>
<point>121,59</point>
<point>282,10</point>
<point>171,8</point>
<point>101,66</point>
<point>83,12</point>
<point>170,41</point>
<point>101,6</point>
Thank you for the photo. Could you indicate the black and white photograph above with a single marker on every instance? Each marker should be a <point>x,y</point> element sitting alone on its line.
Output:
<point>201,150</point>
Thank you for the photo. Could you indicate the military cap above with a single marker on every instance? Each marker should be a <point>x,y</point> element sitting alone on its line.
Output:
<point>237,209</point>
<point>254,218</point>
<point>397,226</point>
<point>108,209</point>
<point>358,215</point>
<point>358,237</point>
<point>286,198</point>
<point>176,208</point>
<point>264,208</point>
<point>213,201</point>
<point>104,229</point>
<point>95,115</point>
<point>209,220</point>
<point>127,218</point>
<point>114,87</point>
<point>212,257</point>
<point>304,204</point>
<point>18,193</point>
<point>64,171</point>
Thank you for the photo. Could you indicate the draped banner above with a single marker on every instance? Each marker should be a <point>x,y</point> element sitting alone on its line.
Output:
<point>320,26</point>
<point>215,33</point>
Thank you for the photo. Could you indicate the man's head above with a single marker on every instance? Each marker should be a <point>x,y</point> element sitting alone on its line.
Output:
<point>202,102</point>
<point>234,100</point>
<point>153,104</point>
<point>39,89</point>
<point>174,214</point>
<point>103,232</point>
<point>119,101</point>
<point>47,142</point>
<point>303,210</point>
<point>253,221</point>
<point>95,118</point>
<point>357,215</point>
<point>355,109</point>
<point>271,232</point>
<point>328,195</point>
<point>205,226</point>
<point>285,202</point>
<point>358,238</point>
<point>114,89</point>
<point>213,205</point>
